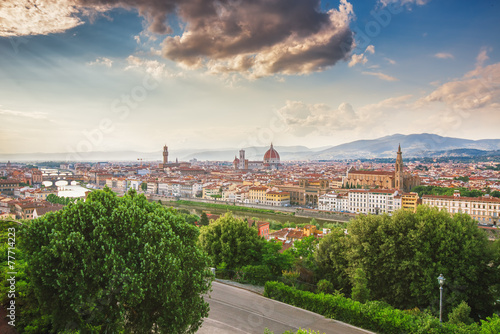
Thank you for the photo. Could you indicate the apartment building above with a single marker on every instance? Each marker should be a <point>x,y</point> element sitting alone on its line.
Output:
<point>483,209</point>
<point>334,202</point>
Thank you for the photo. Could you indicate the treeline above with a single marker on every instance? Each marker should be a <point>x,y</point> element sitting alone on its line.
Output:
<point>391,259</point>
<point>52,198</point>
<point>444,191</point>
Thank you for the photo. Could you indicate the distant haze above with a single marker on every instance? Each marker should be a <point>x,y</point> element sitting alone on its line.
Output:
<point>415,145</point>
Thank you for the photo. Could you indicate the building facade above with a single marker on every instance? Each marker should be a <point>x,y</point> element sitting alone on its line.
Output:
<point>483,209</point>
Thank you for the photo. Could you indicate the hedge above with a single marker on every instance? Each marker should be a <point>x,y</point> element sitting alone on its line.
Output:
<point>376,316</point>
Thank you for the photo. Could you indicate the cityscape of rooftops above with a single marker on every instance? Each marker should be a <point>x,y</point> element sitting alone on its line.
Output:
<point>307,128</point>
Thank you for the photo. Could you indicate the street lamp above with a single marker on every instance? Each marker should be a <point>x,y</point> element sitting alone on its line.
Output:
<point>441,282</point>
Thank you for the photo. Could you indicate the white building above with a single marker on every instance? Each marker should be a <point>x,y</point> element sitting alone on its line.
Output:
<point>333,202</point>
<point>373,201</point>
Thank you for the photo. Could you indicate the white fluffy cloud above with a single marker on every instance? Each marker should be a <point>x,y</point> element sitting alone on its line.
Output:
<point>361,58</point>
<point>302,119</point>
<point>102,61</point>
<point>477,89</point>
<point>152,67</point>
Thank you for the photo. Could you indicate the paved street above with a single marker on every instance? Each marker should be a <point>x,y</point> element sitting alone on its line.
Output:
<point>234,310</point>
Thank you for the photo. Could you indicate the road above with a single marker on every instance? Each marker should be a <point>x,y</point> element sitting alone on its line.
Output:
<point>238,311</point>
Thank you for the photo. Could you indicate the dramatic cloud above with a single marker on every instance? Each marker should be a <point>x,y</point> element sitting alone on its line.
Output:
<point>302,119</point>
<point>25,17</point>
<point>262,37</point>
<point>444,55</point>
<point>478,89</point>
<point>381,76</point>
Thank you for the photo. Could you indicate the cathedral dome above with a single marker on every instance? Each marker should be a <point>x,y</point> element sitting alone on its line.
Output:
<point>271,156</point>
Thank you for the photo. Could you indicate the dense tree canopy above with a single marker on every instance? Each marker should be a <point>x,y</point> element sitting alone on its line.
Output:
<point>444,191</point>
<point>403,255</point>
<point>111,264</point>
<point>60,200</point>
<point>231,241</point>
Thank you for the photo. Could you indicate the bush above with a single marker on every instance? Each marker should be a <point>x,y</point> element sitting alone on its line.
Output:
<point>460,314</point>
<point>257,275</point>
<point>325,286</point>
<point>374,315</point>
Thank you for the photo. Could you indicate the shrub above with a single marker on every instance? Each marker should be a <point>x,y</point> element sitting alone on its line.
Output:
<point>325,286</point>
<point>374,315</point>
<point>460,314</point>
<point>257,275</point>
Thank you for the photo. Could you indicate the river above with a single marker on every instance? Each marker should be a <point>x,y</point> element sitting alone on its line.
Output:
<point>197,210</point>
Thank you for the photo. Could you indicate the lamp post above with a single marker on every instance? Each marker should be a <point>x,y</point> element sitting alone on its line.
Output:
<point>441,282</point>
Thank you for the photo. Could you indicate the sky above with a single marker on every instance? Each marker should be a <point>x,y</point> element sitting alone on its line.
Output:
<point>113,75</point>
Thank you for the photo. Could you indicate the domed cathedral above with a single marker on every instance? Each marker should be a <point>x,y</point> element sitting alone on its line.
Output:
<point>272,158</point>
<point>399,179</point>
<point>271,161</point>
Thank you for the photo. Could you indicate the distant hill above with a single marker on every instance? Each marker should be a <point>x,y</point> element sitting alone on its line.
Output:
<point>414,145</point>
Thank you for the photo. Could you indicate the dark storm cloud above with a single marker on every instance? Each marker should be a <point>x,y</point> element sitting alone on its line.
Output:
<point>259,37</point>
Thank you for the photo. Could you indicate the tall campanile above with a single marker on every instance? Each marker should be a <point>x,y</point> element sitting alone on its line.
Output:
<point>398,171</point>
<point>165,155</point>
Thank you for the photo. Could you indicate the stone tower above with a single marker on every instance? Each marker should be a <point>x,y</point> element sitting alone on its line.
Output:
<point>398,171</point>
<point>242,160</point>
<point>165,155</point>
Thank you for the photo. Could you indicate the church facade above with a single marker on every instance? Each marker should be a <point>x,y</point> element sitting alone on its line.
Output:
<point>398,179</point>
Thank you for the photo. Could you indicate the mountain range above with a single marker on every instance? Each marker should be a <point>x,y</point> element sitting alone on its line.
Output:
<point>414,145</point>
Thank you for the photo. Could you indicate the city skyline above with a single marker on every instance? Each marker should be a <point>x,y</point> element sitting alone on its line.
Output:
<point>132,75</point>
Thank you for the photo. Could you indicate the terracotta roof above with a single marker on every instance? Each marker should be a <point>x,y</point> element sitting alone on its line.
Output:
<point>371,172</point>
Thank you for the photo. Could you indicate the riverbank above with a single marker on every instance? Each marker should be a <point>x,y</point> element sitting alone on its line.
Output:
<point>251,211</point>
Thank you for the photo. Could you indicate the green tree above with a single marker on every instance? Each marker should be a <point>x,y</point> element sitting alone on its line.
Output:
<point>113,264</point>
<point>276,261</point>
<point>360,291</point>
<point>305,248</point>
<point>204,219</point>
<point>230,240</point>
<point>331,259</point>
<point>144,186</point>
<point>403,255</point>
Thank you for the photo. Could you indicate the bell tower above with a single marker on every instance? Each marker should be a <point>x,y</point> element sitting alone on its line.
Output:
<point>398,170</point>
<point>165,155</point>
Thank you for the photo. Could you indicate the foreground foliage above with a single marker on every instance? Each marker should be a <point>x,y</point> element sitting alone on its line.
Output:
<point>375,316</point>
<point>403,255</point>
<point>115,264</point>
